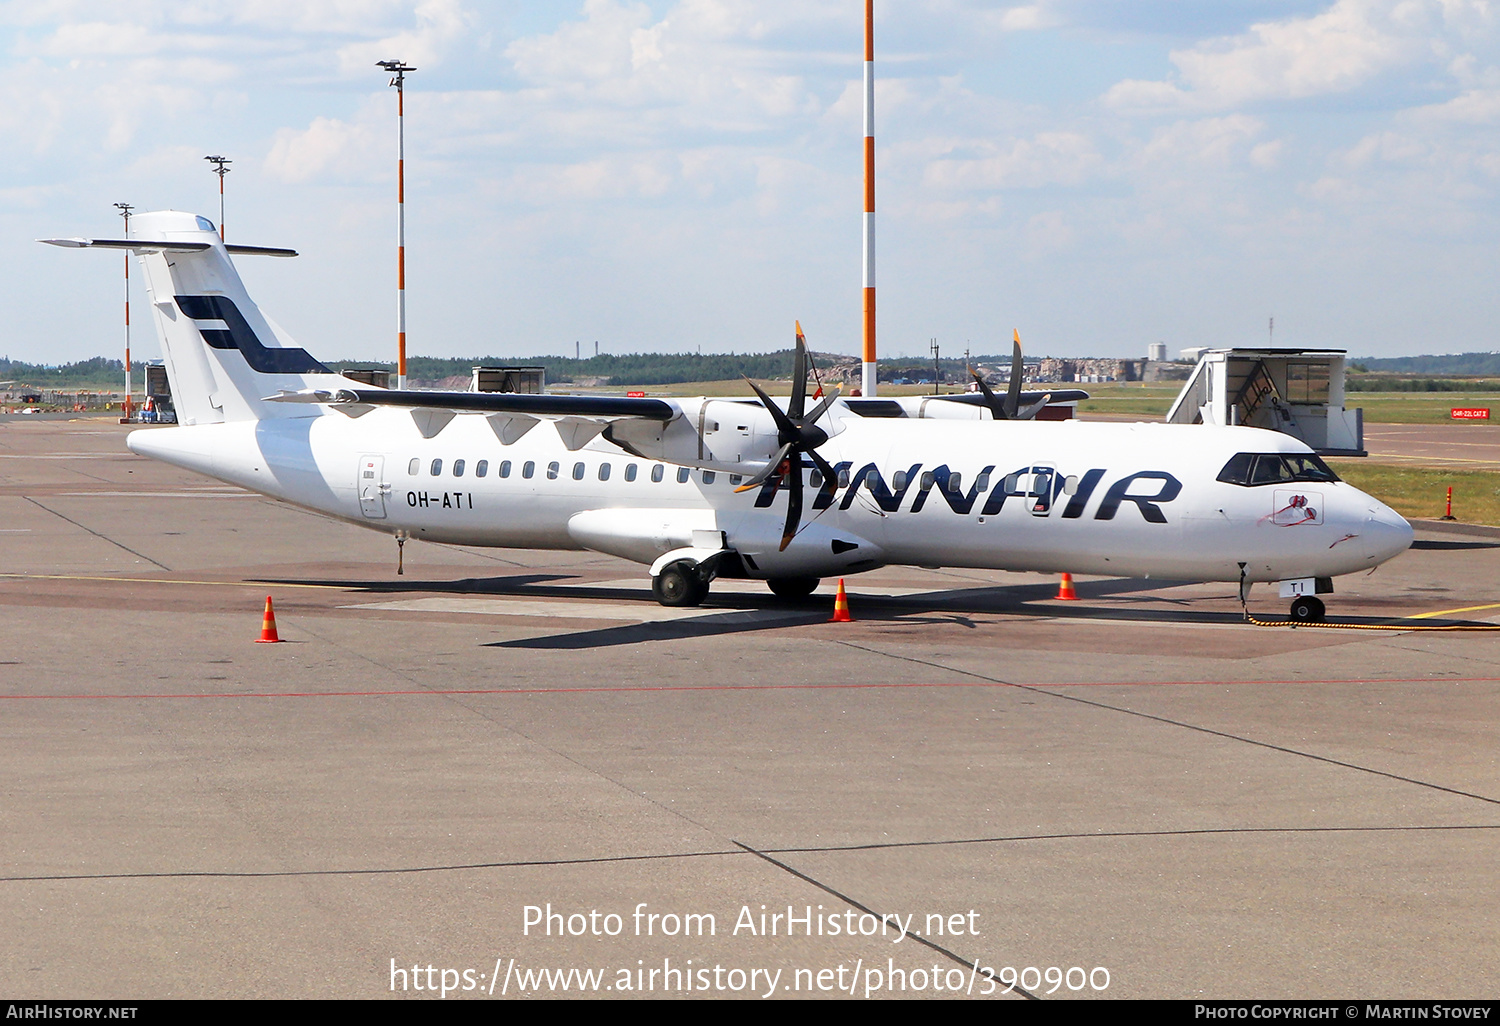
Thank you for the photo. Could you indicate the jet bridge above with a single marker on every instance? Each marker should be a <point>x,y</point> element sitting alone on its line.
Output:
<point>1299,392</point>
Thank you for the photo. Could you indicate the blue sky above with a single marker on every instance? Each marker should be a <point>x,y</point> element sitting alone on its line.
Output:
<point>677,175</point>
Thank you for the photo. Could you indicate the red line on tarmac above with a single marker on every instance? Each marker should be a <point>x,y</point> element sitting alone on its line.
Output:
<point>760,687</point>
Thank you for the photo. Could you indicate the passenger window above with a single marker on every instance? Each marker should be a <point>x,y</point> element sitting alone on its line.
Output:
<point>683,473</point>
<point>414,467</point>
<point>505,469</point>
<point>630,471</point>
<point>604,471</point>
<point>552,469</point>
<point>658,472</point>
<point>481,468</point>
<point>578,472</point>
<point>528,469</point>
<point>815,479</point>
<point>437,467</point>
<point>899,481</point>
<point>844,478</point>
<point>982,482</point>
<point>458,468</point>
<point>708,477</point>
<point>1070,484</point>
<point>735,479</point>
<point>955,482</point>
<point>927,480</point>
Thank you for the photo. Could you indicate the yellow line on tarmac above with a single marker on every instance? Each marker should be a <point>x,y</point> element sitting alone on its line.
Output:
<point>1428,459</point>
<point>157,580</point>
<point>1445,612</point>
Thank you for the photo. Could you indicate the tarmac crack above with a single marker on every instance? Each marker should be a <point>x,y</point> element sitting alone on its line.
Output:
<point>96,534</point>
<point>1328,760</point>
<point>971,964</point>
<point>740,850</point>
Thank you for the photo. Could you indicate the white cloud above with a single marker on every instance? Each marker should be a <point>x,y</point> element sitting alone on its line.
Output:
<point>1336,51</point>
<point>1048,158</point>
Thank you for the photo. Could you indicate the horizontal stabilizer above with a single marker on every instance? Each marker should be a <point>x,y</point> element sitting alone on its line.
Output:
<point>167,246</point>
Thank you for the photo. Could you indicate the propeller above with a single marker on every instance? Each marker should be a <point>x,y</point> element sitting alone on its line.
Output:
<point>797,432</point>
<point>1010,407</point>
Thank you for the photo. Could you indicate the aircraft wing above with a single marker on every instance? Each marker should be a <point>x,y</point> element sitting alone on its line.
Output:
<point>1059,395</point>
<point>578,418</point>
<point>540,405</point>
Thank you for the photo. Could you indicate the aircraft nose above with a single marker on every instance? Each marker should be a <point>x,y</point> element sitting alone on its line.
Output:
<point>1386,533</point>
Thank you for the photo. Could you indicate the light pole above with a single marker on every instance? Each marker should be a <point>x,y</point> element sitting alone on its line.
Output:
<point>869,377</point>
<point>398,70</point>
<point>125,209</point>
<point>221,169</point>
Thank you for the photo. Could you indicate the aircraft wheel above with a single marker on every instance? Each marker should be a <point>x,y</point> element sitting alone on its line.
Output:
<point>679,585</point>
<point>1307,609</point>
<point>792,588</point>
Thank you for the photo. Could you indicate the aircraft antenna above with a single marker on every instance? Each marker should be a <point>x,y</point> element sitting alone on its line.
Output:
<point>869,377</point>
<point>125,209</point>
<point>398,70</point>
<point>221,168</point>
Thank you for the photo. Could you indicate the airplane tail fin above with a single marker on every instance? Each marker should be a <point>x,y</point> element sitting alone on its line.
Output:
<point>223,356</point>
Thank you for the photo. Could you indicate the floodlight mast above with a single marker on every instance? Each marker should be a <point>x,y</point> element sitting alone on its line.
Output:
<point>221,168</point>
<point>125,209</point>
<point>398,70</point>
<point>870,374</point>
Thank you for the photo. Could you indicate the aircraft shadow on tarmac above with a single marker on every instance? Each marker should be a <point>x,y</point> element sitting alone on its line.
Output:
<point>739,613</point>
<point>1427,543</point>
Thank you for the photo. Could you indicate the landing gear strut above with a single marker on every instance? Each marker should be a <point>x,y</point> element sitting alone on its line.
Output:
<point>1307,609</point>
<point>679,584</point>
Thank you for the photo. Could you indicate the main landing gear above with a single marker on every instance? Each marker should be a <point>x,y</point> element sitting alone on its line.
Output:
<point>1307,609</point>
<point>793,588</point>
<point>684,583</point>
<point>679,584</point>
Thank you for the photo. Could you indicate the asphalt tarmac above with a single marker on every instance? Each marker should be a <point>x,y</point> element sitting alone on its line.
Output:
<point>1135,795</point>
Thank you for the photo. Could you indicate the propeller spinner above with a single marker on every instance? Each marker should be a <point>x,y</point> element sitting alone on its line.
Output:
<point>797,431</point>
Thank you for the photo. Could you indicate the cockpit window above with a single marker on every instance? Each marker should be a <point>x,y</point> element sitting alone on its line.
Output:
<point>204,224</point>
<point>1251,469</point>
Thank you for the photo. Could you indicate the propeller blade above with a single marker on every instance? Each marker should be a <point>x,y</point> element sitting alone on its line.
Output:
<point>829,474</point>
<point>1017,372</point>
<point>793,506</point>
<point>997,408</point>
<point>784,424</point>
<point>822,407</point>
<point>797,403</point>
<point>1035,408</point>
<point>771,468</point>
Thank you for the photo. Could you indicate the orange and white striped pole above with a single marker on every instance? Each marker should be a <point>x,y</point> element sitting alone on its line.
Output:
<point>868,378</point>
<point>398,70</point>
<point>125,209</point>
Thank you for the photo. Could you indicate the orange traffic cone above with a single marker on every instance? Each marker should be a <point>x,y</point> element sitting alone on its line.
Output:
<point>1066,592</point>
<point>268,634</point>
<point>841,606</point>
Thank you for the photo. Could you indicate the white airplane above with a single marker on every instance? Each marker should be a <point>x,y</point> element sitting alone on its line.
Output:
<point>754,488</point>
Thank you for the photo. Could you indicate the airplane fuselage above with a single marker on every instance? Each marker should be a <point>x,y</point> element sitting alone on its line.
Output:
<point>1125,500</point>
